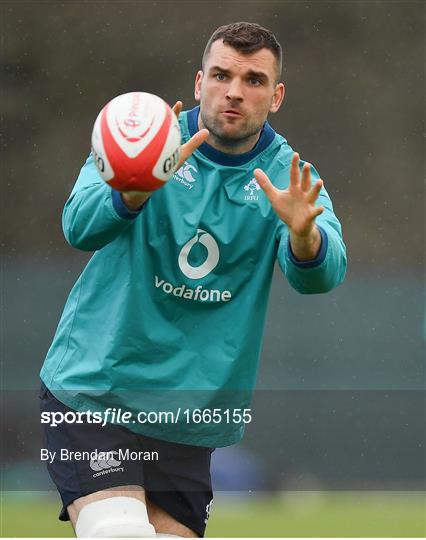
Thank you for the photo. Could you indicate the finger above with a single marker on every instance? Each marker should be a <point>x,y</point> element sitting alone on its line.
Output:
<point>189,147</point>
<point>262,179</point>
<point>306,177</point>
<point>315,191</point>
<point>317,212</point>
<point>177,108</point>
<point>294,170</point>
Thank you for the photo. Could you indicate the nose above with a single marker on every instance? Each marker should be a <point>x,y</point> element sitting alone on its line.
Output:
<point>234,90</point>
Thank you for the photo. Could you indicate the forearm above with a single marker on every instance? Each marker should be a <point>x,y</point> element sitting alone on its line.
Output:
<point>94,214</point>
<point>305,248</point>
<point>94,217</point>
<point>326,268</point>
<point>321,273</point>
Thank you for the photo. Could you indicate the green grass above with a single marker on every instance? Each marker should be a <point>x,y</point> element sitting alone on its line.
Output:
<point>301,514</point>
<point>317,514</point>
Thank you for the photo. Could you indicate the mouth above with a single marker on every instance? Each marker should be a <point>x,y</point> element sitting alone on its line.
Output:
<point>232,113</point>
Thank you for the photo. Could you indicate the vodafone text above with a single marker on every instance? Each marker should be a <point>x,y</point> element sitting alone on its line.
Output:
<point>182,291</point>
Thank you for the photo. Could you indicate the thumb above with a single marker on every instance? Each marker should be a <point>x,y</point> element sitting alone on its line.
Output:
<point>177,108</point>
<point>265,184</point>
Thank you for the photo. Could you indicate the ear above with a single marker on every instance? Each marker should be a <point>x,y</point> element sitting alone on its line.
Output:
<point>197,89</point>
<point>277,98</point>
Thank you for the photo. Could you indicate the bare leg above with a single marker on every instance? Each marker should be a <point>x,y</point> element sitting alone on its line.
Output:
<point>165,523</point>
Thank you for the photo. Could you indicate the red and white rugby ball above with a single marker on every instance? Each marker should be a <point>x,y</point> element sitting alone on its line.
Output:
<point>136,142</point>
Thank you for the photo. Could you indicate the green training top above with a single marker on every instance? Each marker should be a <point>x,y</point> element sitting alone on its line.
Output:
<point>169,313</point>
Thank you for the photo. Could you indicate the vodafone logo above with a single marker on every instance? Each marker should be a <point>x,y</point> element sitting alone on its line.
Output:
<point>198,272</point>
<point>199,293</point>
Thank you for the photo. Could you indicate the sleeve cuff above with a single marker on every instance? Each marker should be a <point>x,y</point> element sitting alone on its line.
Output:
<point>121,208</point>
<point>311,263</point>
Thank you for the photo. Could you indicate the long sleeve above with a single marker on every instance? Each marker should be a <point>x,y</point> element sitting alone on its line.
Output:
<point>328,269</point>
<point>94,214</point>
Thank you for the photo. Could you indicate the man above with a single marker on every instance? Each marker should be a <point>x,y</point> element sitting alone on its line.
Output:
<point>169,312</point>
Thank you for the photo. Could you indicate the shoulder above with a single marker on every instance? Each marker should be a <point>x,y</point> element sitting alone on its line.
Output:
<point>284,152</point>
<point>282,148</point>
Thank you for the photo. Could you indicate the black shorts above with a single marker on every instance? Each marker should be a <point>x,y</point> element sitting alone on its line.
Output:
<point>176,477</point>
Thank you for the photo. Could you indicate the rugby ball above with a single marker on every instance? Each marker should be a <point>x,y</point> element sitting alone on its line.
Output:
<point>136,142</point>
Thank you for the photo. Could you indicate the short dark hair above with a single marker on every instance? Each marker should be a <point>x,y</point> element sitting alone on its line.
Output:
<point>246,38</point>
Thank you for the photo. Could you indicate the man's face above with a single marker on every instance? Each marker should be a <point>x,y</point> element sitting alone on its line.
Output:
<point>237,91</point>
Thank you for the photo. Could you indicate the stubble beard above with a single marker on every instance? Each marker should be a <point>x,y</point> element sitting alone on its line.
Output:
<point>230,141</point>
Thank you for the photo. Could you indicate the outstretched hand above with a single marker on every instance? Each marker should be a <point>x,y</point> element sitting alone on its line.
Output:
<point>296,204</point>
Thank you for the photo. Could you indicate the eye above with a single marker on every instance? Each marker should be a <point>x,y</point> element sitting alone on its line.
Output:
<point>254,82</point>
<point>220,76</point>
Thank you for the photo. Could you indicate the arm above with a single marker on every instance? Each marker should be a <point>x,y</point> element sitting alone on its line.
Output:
<point>94,214</point>
<point>311,252</point>
<point>328,268</point>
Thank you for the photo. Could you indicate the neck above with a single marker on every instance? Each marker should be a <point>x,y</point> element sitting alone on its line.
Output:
<point>229,146</point>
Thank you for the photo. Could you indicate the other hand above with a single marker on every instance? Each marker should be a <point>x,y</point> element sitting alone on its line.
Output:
<point>295,205</point>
